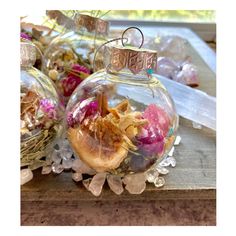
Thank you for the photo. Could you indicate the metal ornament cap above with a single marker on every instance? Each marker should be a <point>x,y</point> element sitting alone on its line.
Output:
<point>27,54</point>
<point>92,24</point>
<point>135,59</point>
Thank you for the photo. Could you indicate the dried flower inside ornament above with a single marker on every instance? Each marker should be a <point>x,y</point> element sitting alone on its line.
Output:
<point>121,123</point>
<point>41,114</point>
<point>70,56</point>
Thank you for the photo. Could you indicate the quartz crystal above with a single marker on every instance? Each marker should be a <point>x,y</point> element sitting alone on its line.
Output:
<point>63,143</point>
<point>171,152</point>
<point>46,170</point>
<point>182,72</point>
<point>135,183</point>
<point>136,189</point>
<point>162,170</point>
<point>177,140</point>
<point>67,163</point>
<point>151,175</point>
<point>77,177</point>
<point>86,183</point>
<point>49,159</point>
<point>187,75</point>
<point>56,157</point>
<point>66,153</point>
<point>171,46</point>
<point>65,149</point>
<point>25,176</point>
<point>115,184</point>
<point>159,182</point>
<point>196,125</point>
<point>168,161</point>
<point>57,168</point>
<point>98,180</point>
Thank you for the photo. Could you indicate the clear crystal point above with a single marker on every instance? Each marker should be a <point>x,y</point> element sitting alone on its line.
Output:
<point>67,163</point>
<point>159,182</point>
<point>168,161</point>
<point>177,140</point>
<point>25,176</point>
<point>46,170</point>
<point>56,156</point>
<point>115,184</point>
<point>96,185</point>
<point>171,152</point>
<point>77,177</point>
<point>57,168</point>
<point>162,170</point>
<point>151,175</point>
<point>135,183</point>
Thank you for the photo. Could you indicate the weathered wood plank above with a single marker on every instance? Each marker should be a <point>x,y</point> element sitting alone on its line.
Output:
<point>131,213</point>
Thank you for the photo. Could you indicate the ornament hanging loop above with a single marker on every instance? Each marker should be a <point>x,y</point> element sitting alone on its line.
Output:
<point>117,39</point>
<point>132,27</point>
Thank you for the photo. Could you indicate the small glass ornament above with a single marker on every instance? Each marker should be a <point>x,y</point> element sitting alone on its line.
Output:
<point>41,112</point>
<point>121,120</point>
<point>69,58</point>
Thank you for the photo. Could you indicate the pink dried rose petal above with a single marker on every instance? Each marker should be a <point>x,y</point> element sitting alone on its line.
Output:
<point>49,108</point>
<point>79,68</point>
<point>80,112</point>
<point>154,148</point>
<point>149,134</point>
<point>70,83</point>
<point>151,138</point>
<point>150,141</point>
<point>25,36</point>
<point>157,118</point>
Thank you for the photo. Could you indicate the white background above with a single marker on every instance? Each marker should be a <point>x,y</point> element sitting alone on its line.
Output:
<point>10,140</point>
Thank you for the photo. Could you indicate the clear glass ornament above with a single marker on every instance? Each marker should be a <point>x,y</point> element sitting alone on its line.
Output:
<point>41,112</point>
<point>121,119</point>
<point>69,58</point>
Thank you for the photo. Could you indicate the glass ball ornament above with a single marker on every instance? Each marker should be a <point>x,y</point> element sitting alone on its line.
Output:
<point>69,59</point>
<point>121,119</point>
<point>41,113</point>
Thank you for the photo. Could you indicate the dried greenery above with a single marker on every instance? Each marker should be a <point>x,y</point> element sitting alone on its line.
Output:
<point>37,130</point>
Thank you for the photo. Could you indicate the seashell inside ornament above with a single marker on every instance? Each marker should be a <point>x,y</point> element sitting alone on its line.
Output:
<point>41,111</point>
<point>121,119</point>
<point>69,58</point>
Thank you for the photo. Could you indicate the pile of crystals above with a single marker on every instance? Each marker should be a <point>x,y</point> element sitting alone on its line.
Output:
<point>62,159</point>
<point>173,61</point>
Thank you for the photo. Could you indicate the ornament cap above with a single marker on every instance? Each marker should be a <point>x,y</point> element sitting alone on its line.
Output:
<point>134,59</point>
<point>27,54</point>
<point>92,24</point>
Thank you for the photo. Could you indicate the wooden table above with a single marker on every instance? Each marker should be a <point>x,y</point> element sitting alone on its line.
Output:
<point>188,197</point>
